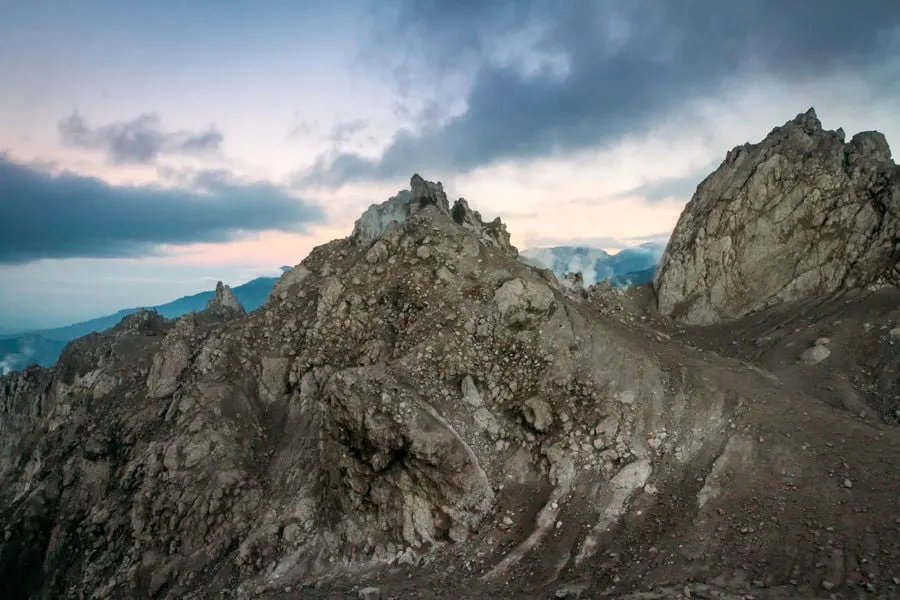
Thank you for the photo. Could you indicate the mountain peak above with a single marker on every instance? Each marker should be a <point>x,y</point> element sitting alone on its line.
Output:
<point>800,214</point>
<point>808,120</point>
<point>376,219</point>
<point>364,423</point>
<point>426,193</point>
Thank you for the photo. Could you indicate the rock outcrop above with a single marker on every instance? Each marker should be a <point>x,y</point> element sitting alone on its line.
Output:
<point>397,210</point>
<point>224,304</point>
<point>801,214</point>
<point>418,412</point>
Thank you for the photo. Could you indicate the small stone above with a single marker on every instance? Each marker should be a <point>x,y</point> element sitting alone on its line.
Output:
<point>377,253</point>
<point>538,414</point>
<point>701,590</point>
<point>486,421</point>
<point>607,428</point>
<point>848,483</point>
<point>570,591</point>
<point>626,397</point>
<point>470,392</point>
<point>370,593</point>
<point>815,355</point>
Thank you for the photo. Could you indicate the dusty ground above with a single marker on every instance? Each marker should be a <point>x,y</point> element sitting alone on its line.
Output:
<point>860,329</point>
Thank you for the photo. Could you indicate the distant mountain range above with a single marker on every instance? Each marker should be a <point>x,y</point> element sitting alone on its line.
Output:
<point>43,347</point>
<point>629,266</point>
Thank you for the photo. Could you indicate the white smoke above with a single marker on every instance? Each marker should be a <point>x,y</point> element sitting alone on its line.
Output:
<point>26,348</point>
<point>19,360</point>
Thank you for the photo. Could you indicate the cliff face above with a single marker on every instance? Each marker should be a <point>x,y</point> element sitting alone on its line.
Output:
<point>801,214</point>
<point>412,397</point>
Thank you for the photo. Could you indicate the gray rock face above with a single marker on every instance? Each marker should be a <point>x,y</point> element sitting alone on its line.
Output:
<point>371,411</point>
<point>289,281</point>
<point>434,405</point>
<point>802,213</point>
<point>491,234</point>
<point>172,359</point>
<point>376,219</point>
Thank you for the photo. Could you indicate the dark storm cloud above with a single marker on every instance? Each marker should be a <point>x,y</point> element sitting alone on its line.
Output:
<point>139,141</point>
<point>70,216</point>
<point>627,63</point>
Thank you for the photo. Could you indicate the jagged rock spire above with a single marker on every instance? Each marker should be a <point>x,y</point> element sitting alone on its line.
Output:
<point>225,299</point>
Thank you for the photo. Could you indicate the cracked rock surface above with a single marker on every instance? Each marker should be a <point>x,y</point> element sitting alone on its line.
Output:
<point>801,214</point>
<point>416,413</point>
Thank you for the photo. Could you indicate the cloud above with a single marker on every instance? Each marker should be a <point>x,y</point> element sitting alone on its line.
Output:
<point>605,242</point>
<point>674,187</point>
<point>337,137</point>
<point>661,238</point>
<point>343,132</point>
<point>141,140</point>
<point>300,130</point>
<point>546,78</point>
<point>43,215</point>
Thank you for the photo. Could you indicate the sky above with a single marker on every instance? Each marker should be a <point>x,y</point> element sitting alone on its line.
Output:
<point>151,148</point>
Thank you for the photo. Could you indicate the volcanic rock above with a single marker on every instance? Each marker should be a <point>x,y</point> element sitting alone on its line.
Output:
<point>450,423</point>
<point>801,214</point>
<point>225,299</point>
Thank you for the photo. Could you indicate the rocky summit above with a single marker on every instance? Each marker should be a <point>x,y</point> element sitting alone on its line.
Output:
<point>418,413</point>
<point>801,214</point>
